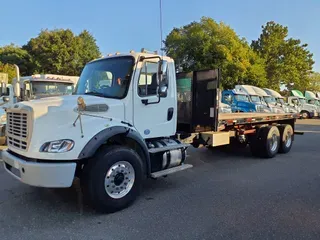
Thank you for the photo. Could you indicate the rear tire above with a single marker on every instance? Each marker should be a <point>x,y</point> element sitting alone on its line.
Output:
<point>266,142</point>
<point>113,178</point>
<point>286,135</point>
<point>270,140</point>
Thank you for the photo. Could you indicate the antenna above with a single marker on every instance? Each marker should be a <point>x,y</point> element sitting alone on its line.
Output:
<point>161,46</point>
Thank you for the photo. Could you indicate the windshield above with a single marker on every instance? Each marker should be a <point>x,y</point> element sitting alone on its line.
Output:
<point>270,99</point>
<point>314,102</point>
<point>302,100</point>
<point>255,99</point>
<point>241,97</point>
<point>107,77</point>
<point>46,89</point>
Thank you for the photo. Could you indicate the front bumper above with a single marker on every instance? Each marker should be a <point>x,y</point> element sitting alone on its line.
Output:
<point>51,175</point>
<point>314,114</point>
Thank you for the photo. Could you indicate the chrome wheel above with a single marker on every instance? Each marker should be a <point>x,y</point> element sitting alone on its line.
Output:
<point>119,179</point>
<point>274,142</point>
<point>288,139</point>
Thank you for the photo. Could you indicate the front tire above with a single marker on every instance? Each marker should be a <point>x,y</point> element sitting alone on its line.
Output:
<point>113,179</point>
<point>305,114</point>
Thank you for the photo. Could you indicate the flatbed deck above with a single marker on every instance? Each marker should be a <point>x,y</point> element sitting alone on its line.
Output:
<point>242,118</point>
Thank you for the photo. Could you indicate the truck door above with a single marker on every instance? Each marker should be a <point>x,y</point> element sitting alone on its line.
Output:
<point>153,116</point>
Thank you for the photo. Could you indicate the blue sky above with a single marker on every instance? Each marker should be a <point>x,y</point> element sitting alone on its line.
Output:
<point>123,25</point>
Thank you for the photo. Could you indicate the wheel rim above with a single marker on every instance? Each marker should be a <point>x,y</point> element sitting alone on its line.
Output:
<point>119,179</point>
<point>304,115</point>
<point>274,142</point>
<point>288,139</point>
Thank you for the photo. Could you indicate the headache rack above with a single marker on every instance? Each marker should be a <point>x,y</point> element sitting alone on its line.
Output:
<point>197,100</point>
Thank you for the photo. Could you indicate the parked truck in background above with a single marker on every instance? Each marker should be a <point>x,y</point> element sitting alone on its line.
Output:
<point>254,97</point>
<point>313,99</point>
<point>240,101</point>
<point>137,126</point>
<point>269,100</point>
<point>306,110</point>
<point>32,87</point>
<point>279,100</point>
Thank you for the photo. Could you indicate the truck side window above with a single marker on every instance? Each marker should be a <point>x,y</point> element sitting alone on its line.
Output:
<point>227,97</point>
<point>148,84</point>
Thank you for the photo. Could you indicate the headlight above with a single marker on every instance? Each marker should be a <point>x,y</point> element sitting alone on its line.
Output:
<point>59,146</point>
<point>3,119</point>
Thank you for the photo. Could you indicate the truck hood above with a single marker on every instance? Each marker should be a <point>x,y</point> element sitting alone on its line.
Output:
<point>309,106</point>
<point>53,119</point>
<point>245,104</point>
<point>68,105</point>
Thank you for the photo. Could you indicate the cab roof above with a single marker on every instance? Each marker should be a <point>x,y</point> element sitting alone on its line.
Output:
<point>136,55</point>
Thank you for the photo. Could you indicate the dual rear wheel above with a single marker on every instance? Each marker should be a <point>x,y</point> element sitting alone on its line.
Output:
<point>270,140</point>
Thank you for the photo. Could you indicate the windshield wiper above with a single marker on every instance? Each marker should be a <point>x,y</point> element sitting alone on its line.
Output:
<point>95,94</point>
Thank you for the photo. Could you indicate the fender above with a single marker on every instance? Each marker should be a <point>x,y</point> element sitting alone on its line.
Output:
<point>100,138</point>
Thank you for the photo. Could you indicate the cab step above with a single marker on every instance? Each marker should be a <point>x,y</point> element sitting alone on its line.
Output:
<point>171,170</point>
<point>168,148</point>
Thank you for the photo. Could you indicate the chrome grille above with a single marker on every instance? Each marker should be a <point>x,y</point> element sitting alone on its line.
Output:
<point>17,130</point>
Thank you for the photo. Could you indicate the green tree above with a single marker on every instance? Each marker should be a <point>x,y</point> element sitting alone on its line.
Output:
<point>314,82</point>
<point>208,44</point>
<point>287,59</point>
<point>8,68</point>
<point>61,52</point>
<point>88,49</point>
<point>12,54</point>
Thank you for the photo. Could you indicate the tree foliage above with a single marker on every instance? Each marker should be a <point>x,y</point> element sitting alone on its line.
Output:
<point>12,54</point>
<point>61,52</point>
<point>314,82</point>
<point>9,69</point>
<point>208,44</point>
<point>287,59</point>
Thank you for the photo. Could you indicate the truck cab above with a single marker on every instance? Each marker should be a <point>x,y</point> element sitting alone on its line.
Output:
<point>306,110</point>
<point>239,101</point>
<point>279,100</point>
<point>312,99</point>
<point>269,100</point>
<point>254,97</point>
<point>33,87</point>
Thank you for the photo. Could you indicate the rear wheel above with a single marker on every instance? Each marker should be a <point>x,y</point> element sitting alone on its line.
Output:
<point>286,138</point>
<point>266,142</point>
<point>113,180</point>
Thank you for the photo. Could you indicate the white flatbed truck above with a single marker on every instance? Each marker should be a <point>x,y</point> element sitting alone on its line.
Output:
<point>125,123</point>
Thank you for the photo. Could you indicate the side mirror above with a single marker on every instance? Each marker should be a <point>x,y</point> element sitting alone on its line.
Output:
<point>6,99</point>
<point>162,91</point>
<point>162,70</point>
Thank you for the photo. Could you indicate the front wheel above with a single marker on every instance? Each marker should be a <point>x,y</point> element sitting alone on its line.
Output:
<point>305,114</point>
<point>113,180</point>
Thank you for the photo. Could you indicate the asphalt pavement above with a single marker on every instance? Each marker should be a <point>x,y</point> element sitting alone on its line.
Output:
<point>226,195</point>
